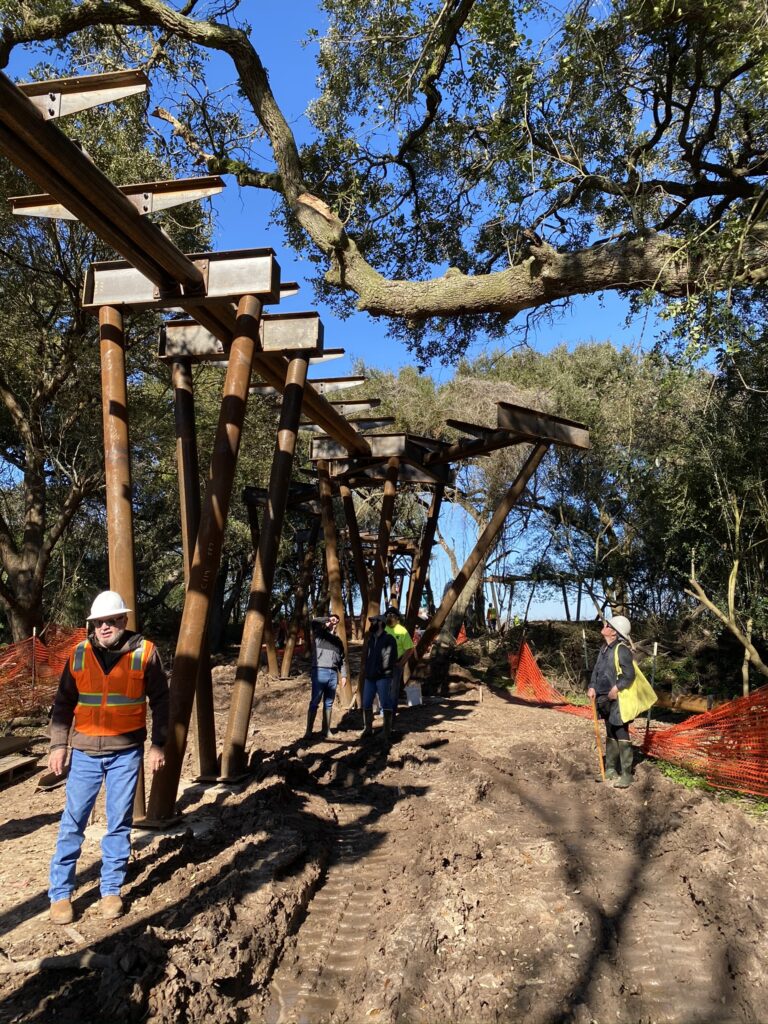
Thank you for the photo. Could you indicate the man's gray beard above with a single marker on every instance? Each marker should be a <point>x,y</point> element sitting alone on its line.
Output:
<point>113,645</point>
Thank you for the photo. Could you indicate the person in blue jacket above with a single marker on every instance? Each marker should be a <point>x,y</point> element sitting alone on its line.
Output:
<point>380,662</point>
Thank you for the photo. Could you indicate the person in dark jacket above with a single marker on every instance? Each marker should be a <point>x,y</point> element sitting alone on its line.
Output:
<point>328,662</point>
<point>614,670</point>
<point>380,661</point>
<point>104,690</point>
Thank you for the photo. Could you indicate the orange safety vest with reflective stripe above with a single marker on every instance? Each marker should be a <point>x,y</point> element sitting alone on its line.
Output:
<point>114,703</point>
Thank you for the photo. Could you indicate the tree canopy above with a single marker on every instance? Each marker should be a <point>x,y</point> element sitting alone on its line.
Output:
<point>476,159</point>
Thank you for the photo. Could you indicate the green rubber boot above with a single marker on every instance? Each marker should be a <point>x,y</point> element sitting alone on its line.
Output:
<point>387,729</point>
<point>367,723</point>
<point>611,759</point>
<point>627,756</point>
<point>326,723</point>
<point>311,713</point>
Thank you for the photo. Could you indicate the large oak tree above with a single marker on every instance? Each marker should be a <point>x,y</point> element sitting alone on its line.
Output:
<point>475,159</point>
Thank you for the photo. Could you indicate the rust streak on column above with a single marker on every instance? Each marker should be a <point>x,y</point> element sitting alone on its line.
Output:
<point>482,546</point>
<point>380,563</point>
<point>117,458</point>
<point>207,556</point>
<point>301,598</point>
<point>203,719</point>
<point>233,760</point>
<point>333,569</point>
<point>425,554</point>
<point>354,541</point>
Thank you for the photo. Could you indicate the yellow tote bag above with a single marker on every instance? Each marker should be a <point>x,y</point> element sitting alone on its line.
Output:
<point>638,696</point>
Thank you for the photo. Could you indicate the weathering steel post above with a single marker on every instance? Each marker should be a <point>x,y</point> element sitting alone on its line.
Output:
<point>361,572</point>
<point>380,563</point>
<point>117,458</point>
<point>203,721</point>
<point>301,598</point>
<point>207,556</point>
<point>425,554</point>
<point>269,634</point>
<point>484,542</point>
<point>233,760</point>
<point>332,566</point>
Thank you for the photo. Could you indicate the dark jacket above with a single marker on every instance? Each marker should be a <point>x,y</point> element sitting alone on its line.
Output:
<point>65,702</point>
<point>329,650</point>
<point>381,656</point>
<point>604,676</point>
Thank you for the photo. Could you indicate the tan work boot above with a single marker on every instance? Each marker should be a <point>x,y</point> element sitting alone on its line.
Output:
<point>111,907</point>
<point>61,912</point>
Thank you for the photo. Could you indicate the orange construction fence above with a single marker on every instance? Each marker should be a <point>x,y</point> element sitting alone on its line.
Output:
<point>30,670</point>
<point>728,745</point>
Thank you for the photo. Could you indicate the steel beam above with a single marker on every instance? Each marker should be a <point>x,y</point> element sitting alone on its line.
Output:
<point>57,97</point>
<point>203,718</point>
<point>233,761</point>
<point>207,556</point>
<point>354,542</point>
<point>481,548</point>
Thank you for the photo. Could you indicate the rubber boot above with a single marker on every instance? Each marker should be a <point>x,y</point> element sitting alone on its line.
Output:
<point>387,729</point>
<point>327,723</point>
<point>367,723</point>
<point>311,713</point>
<point>611,758</point>
<point>627,756</point>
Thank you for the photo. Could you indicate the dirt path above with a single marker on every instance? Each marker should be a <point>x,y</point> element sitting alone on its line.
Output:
<point>477,873</point>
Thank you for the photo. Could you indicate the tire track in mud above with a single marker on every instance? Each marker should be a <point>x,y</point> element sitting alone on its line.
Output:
<point>330,944</point>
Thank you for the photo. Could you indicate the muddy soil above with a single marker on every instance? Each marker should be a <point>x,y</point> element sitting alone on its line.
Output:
<point>476,872</point>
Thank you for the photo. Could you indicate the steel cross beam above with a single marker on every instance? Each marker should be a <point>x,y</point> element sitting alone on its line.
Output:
<point>47,156</point>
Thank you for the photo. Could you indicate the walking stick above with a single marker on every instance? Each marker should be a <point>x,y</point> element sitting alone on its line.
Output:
<point>653,684</point>
<point>597,740</point>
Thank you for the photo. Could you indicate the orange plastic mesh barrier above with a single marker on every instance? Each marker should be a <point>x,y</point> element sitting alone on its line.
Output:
<point>728,745</point>
<point>30,670</point>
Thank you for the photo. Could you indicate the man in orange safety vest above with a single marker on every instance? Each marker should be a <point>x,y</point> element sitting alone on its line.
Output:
<point>103,692</point>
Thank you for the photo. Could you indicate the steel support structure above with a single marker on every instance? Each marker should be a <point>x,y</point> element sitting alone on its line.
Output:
<point>302,591</point>
<point>425,554</point>
<point>481,548</point>
<point>203,719</point>
<point>380,563</point>
<point>269,634</point>
<point>233,760</point>
<point>332,566</point>
<point>207,556</point>
<point>361,572</point>
<point>117,476</point>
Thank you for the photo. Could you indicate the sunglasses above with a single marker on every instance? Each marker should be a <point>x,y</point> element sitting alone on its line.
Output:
<point>97,623</point>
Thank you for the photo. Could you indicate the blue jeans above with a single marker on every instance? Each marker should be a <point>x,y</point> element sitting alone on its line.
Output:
<point>381,686</point>
<point>324,681</point>
<point>121,774</point>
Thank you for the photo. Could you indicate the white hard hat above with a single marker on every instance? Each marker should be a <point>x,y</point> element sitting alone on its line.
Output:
<point>107,605</point>
<point>621,624</point>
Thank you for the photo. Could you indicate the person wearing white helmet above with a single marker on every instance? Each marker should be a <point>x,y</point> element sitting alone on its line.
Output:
<point>614,670</point>
<point>103,693</point>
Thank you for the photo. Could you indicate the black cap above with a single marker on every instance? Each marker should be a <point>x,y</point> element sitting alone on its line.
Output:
<point>377,618</point>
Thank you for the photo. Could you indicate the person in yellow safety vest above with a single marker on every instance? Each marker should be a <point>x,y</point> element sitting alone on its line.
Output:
<point>492,619</point>
<point>103,691</point>
<point>405,648</point>
<point>614,670</point>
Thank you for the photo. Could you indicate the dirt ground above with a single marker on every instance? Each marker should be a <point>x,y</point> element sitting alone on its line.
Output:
<point>478,872</point>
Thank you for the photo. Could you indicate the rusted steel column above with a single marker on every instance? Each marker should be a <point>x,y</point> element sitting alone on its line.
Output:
<point>380,563</point>
<point>332,567</point>
<point>207,556</point>
<point>203,719</point>
<point>361,571</point>
<point>233,760</point>
<point>117,476</point>
<point>301,598</point>
<point>117,458</point>
<point>269,636</point>
<point>482,546</point>
<point>425,554</point>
